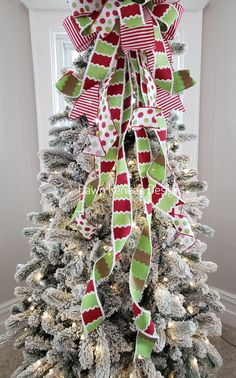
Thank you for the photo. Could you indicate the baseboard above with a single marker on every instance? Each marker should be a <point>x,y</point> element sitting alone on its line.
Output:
<point>5,310</point>
<point>229,301</point>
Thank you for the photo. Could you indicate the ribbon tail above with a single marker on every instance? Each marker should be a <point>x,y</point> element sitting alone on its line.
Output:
<point>91,309</point>
<point>140,266</point>
<point>87,104</point>
<point>182,81</point>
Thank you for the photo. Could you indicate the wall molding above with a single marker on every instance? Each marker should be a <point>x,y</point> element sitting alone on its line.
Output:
<point>194,5</point>
<point>45,4</point>
<point>5,309</point>
<point>191,5</point>
<point>229,301</point>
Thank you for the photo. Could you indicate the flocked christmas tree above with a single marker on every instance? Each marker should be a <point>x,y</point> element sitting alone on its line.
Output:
<point>116,285</point>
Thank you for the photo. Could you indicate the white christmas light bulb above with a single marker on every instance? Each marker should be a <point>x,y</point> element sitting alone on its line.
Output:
<point>190,309</point>
<point>38,276</point>
<point>46,315</point>
<point>194,362</point>
<point>178,297</point>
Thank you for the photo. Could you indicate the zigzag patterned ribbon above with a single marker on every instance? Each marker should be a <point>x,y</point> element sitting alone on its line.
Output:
<point>142,31</point>
<point>153,176</point>
<point>92,312</point>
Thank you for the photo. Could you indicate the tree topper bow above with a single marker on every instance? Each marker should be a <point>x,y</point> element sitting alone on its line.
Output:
<point>131,39</point>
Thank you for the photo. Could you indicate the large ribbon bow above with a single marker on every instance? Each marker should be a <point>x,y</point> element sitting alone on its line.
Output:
<point>131,47</point>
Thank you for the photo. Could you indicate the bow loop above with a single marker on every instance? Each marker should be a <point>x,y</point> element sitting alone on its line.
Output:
<point>166,15</point>
<point>86,7</point>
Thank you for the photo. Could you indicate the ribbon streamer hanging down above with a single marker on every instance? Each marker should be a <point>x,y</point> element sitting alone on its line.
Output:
<point>130,40</point>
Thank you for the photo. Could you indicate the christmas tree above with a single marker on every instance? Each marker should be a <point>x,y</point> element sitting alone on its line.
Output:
<point>116,285</point>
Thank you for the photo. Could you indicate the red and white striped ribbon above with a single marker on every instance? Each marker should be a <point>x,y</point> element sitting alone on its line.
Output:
<point>170,34</point>
<point>79,42</point>
<point>166,102</point>
<point>140,38</point>
<point>87,104</point>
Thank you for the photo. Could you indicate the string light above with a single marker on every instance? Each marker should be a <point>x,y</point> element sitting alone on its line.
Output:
<point>190,309</point>
<point>114,288</point>
<point>29,299</point>
<point>107,248</point>
<point>31,308</point>
<point>134,226</point>
<point>194,363</point>
<point>165,279</point>
<point>185,259</point>
<point>46,315</point>
<point>178,297</point>
<point>73,324</point>
<point>80,253</point>
<point>191,283</point>
<point>98,349</point>
<point>38,276</point>
<point>50,371</point>
<point>131,162</point>
<point>171,253</point>
<point>82,337</point>
<point>140,357</point>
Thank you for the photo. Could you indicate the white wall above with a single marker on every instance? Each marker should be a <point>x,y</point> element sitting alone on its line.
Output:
<point>217,154</point>
<point>18,141</point>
